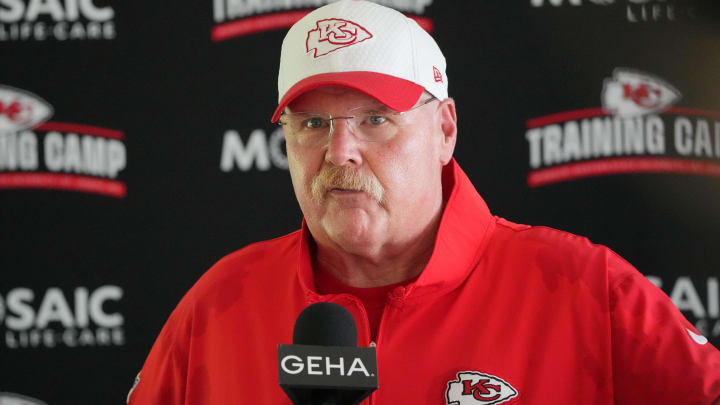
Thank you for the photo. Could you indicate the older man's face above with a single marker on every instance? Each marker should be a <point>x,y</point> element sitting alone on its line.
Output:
<point>367,197</point>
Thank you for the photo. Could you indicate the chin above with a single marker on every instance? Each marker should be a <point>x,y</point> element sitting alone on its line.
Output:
<point>351,232</point>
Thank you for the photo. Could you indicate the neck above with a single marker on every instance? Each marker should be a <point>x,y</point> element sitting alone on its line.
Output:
<point>390,264</point>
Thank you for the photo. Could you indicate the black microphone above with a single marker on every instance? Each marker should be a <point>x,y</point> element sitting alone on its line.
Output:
<point>324,366</point>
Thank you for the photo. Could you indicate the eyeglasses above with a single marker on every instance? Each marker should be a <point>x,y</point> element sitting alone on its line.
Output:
<point>371,124</point>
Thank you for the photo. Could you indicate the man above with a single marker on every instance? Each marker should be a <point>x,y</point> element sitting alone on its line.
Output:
<point>463,307</point>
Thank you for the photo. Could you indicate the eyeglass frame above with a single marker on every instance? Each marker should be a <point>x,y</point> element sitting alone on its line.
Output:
<point>329,122</point>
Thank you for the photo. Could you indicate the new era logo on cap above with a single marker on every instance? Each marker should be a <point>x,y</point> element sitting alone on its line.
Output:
<point>437,74</point>
<point>332,34</point>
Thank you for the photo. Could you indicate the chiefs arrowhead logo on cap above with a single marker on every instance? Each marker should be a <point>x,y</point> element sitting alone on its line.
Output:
<point>332,34</point>
<point>472,387</point>
<point>630,93</point>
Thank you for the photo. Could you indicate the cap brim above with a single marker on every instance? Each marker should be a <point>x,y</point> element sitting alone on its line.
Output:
<point>396,93</point>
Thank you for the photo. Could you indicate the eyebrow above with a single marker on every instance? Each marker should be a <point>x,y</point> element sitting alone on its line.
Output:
<point>380,107</point>
<point>376,106</point>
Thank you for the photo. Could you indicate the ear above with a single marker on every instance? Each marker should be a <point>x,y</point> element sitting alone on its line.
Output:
<point>448,126</point>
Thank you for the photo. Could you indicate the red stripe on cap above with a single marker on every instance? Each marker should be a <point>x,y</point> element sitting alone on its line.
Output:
<point>396,93</point>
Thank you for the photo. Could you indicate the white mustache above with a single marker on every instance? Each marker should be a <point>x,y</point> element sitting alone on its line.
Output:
<point>331,177</point>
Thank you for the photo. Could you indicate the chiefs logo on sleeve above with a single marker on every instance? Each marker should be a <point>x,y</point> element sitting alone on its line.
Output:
<point>472,388</point>
<point>332,34</point>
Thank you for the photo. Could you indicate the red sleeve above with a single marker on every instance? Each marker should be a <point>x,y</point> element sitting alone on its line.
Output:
<point>658,356</point>
<point>163,376</point>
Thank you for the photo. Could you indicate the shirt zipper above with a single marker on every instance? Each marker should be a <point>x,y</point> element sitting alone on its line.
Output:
<point>399,291</point>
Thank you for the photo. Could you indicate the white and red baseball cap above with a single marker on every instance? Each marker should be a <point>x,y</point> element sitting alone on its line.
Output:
<point>363,46</point>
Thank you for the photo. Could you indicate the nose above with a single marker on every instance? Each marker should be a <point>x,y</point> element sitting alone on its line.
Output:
<point>343,147</point>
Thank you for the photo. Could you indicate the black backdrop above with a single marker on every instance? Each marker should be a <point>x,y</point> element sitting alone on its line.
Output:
<point>98,245</point>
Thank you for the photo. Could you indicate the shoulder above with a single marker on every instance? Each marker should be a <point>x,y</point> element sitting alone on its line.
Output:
<point>261,262</point>
<point>543,236</point>
<point>247,272</point>
<point>260,253</point>
<point>548,247</point>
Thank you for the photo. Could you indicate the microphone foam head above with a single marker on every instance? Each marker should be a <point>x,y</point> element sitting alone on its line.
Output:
<point>325,324</point>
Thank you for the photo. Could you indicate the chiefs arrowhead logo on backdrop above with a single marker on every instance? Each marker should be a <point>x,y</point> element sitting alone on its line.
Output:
<point>472,387</point>
<point>332,34</point>
<point>8,398</point>
<point>20,109</point>
<point>630,93</point>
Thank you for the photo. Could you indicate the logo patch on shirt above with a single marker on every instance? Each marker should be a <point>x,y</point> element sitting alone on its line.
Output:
<point>332,34</point>
<point>472,387</point>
